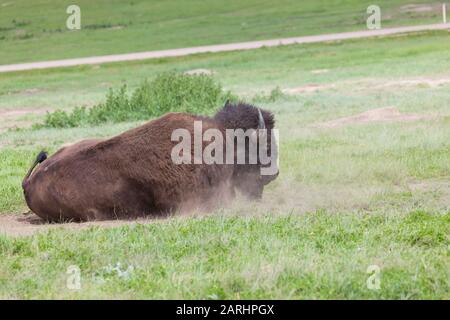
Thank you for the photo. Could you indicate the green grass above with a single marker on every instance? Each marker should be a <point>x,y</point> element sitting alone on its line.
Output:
<point>37,31</point>
<point>315,256</point>
<point>248,73</point>
<point>346,198</point>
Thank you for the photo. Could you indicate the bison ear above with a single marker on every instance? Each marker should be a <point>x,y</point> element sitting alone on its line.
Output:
<point>226,103</point>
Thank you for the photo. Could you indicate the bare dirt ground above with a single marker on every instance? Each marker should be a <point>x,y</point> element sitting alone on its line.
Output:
<point>6,112</point>
<point>427,82</point>
<point>370,84</point>
<point>309,88</point>
<point>15,118</point>
<point>18,225</point>
<point>387,114</point>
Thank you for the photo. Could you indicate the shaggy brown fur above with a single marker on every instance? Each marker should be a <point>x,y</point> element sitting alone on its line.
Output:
<point>132,174</point>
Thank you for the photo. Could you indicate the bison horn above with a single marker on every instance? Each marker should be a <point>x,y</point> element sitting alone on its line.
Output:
<point>261,124</point>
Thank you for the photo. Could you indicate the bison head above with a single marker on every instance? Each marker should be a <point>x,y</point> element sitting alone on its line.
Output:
<point>259,149</point>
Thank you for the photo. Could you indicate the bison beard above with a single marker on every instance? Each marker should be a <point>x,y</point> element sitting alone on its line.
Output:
<point>132,174</point>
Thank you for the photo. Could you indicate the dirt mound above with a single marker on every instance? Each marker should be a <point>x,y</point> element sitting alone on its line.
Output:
<point>388,114</point>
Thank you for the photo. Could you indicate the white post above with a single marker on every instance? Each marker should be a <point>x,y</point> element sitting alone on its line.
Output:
<point>444,12</point>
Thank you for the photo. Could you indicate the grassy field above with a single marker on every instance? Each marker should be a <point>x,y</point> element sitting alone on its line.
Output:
<point>107,27</point>
<point>315,256</point>
<point>348,197</point>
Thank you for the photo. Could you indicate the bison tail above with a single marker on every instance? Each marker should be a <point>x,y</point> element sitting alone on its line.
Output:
<point>40,158</point>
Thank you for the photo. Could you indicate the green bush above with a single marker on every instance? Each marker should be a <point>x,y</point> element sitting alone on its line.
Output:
<point>168,92</point>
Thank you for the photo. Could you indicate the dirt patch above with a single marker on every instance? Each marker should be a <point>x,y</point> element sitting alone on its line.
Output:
<point>21,112</point>
<point>388,114</point>
<point>429,185</point>
<point>371,84</point>
<point>18,225</point>
<point>32,91</point>
<point>16,118</point>
<point>428,82</point>
<point>308,88</point>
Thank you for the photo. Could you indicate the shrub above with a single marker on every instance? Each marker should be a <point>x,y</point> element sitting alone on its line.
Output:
<point>168,92</point>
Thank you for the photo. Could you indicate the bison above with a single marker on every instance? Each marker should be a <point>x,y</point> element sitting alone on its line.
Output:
<point>133,174</point>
